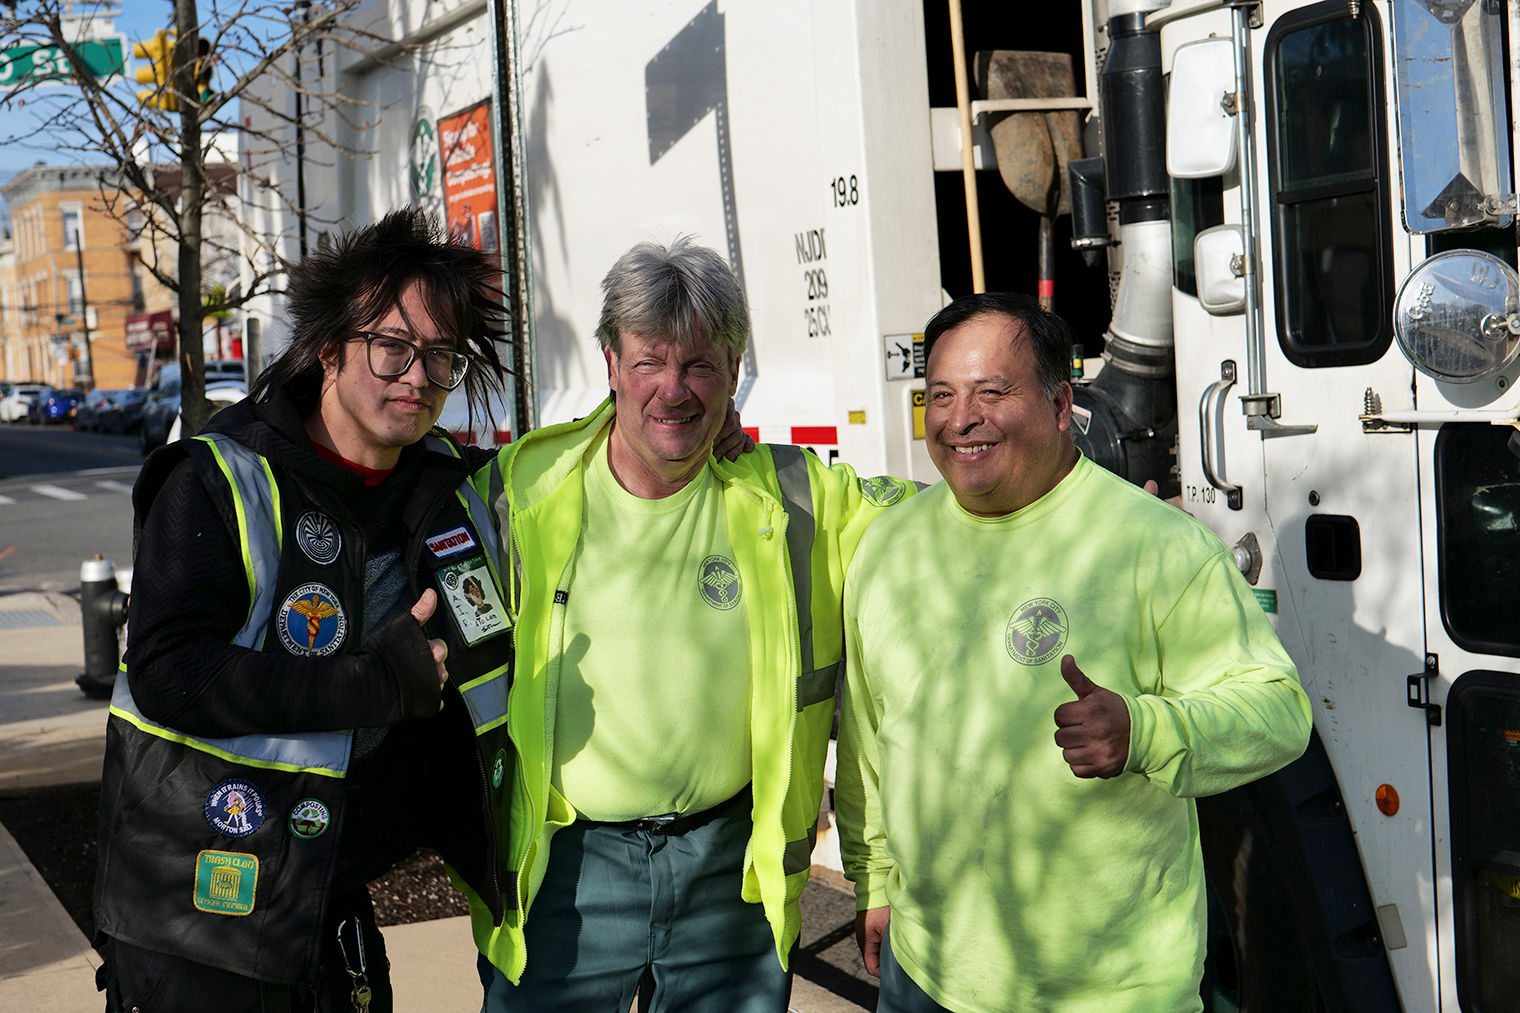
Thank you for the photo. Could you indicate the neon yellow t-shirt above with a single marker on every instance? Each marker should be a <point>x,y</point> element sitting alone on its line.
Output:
<point>1014,884</point>
<point>645,725</point>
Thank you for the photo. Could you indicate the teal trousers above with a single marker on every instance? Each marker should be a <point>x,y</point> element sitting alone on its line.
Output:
<point>625,911</point>
<point>900,993</point>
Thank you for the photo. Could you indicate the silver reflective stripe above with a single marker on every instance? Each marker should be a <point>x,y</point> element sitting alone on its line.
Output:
<point>799,854</point>
<point>484,524</point>
<point>256,500</point>
<point>486,698</point>
<point>818,685</point>
<point>797,498</point>
<point>324,753</point>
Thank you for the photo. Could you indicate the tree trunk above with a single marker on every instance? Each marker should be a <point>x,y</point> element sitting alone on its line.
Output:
<point>192,359</point>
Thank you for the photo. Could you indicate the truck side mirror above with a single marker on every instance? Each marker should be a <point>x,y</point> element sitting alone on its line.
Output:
<point>1200,121</point>
<point>1219,264</point>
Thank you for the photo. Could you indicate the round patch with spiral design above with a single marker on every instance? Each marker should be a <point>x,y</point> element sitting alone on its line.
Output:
<point>318,536</point>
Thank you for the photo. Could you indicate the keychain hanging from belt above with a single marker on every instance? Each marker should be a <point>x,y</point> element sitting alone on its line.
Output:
<point>361,994</point>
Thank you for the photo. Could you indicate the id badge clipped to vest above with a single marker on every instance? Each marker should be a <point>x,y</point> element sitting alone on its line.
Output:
<point>464,580</point>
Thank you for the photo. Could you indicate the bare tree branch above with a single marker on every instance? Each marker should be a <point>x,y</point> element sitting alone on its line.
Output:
<point>168,164</point>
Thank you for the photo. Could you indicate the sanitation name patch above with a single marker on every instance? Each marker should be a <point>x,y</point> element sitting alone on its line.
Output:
<point>225,882</point>
<point>451,542</point>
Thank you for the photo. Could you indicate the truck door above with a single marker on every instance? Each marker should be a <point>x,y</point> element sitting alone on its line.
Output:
<point>1343,499</point>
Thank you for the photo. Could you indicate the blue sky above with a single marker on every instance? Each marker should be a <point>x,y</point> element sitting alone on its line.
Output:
<point>137,20</point>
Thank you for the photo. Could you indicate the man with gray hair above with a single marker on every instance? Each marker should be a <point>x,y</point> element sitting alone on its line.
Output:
<point>678,637</point>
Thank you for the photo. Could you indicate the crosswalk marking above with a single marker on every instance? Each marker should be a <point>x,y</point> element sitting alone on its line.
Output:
<point>57,492</point>
<point>111,485</point>
<point>7,501</point>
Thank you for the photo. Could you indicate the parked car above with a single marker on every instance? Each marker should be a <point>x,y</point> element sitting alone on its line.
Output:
<point>162,406</point>
<point>87,415</point>
<point>220,394</point>
<point>54,404</point>
<point>14,405</point>
<point>124,413</point>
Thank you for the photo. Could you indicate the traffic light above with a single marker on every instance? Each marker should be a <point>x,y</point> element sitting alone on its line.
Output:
<point>203,70</point>
<point>159,52</point>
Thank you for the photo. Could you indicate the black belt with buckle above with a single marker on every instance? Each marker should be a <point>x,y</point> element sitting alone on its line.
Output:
<point>674,824</point>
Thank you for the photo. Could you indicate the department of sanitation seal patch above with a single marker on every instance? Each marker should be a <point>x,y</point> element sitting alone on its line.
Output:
<point>235,808</point>
<point>311,620</point>
<point>719,582</point>
<point>883,490</point>
<point>318,537</point>
<point>309,819</point>
<point>1036,632</point>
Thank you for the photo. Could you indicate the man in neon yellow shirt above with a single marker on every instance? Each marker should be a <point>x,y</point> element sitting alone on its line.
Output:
<point>1041,594</point>
<point>677,636</point>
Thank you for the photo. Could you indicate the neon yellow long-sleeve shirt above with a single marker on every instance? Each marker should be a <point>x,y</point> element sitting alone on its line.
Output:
<point>1013,884</point>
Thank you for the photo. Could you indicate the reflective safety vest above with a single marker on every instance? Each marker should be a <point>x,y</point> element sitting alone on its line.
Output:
<point>793,524</point>
<point>221,850</point>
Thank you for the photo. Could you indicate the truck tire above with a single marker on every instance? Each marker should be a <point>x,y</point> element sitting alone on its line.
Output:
<point>1255,961</point>
<point>1291,921</point>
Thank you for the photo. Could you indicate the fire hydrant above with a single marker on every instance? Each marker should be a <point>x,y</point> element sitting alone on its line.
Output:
<point>102,611</point>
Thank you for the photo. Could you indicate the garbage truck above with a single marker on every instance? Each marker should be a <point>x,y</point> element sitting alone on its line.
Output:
<point>1284,235</point>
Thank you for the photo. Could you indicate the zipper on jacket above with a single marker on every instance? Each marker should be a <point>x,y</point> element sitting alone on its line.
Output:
<point>521,583</point>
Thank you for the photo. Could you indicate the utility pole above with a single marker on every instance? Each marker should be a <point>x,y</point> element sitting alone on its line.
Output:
<point>84,306</point>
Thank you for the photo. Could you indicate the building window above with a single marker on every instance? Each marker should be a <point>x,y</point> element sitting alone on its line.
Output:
<point>136,220</point>
<point>76,295</point>
<point>139,301</point>
<point>1331,248</point>
<point>73,226</point>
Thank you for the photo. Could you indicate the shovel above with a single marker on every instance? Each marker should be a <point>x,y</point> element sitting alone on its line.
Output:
<point>1034,147</point>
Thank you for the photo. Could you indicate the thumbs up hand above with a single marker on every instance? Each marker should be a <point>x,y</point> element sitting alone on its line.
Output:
<point>1093,729</point>
<point>422,612</point>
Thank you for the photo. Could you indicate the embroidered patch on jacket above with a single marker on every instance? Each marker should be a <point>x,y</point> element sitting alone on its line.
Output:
<point>451,542</point>
<point>499,768</point>
<point>1036,632</point>
<point>309,819</point>
<point>318,536</point>
<point>883,490</point>
<point>235,808</point>
<point>312,620</point>
<point>719,582</point>
<point>225,882</point>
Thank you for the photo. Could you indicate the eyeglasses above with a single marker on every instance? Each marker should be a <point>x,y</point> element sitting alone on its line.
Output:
<point>390,357</point>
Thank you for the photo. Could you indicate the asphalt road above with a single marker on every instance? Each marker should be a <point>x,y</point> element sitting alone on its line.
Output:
<point>64,497</point>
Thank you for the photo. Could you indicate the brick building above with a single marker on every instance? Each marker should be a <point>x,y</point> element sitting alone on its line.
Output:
<point>59,223</point>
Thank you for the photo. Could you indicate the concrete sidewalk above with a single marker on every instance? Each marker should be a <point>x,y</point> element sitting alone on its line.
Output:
<point>50,734</point>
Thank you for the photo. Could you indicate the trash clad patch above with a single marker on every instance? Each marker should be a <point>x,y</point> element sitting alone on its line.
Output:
<point>225,882</point>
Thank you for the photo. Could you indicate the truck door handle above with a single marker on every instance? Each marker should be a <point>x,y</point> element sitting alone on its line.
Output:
<point>1211,433</point>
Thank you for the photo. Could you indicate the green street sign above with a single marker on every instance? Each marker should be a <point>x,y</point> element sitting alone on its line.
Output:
<point>38,64</point>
